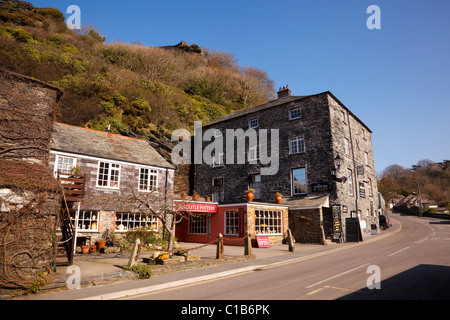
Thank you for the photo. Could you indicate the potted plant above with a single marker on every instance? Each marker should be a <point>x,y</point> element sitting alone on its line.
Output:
<point>195,196</point>
<point>278,197</point>
<point>250,194</point>
<point>183,195</point>
<point>85,249</point>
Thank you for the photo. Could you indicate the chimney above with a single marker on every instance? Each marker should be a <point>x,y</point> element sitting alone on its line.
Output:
<point>284,92</point>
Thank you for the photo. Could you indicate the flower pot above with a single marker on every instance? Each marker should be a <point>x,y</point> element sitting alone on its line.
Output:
<point>93,249</point>
<point>279,199</point>
<point>250,196</point>
<point>196,197</point>
<point>85,249</point>
<point>183,197</point>
<point>101,244</point>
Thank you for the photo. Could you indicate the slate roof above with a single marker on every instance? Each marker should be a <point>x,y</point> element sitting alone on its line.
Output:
<point>106,145</point>
<point>278,102</point>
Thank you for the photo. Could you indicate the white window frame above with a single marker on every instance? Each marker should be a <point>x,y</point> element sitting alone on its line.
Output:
<point>117,168</point>
<point>231,222</point>
<point>218,160</point>
<point>297,145</point>
<point>346,149</point>
<point>369,186</point>
<point>268,222</point>
<point>150,183</point>
<point>253,123</point>
<point>350,181</point>
<point>256,185</point>
<point>253,153</point>
<point>131,221</point>
<point>295,113</point>
<point>200,226</point>
<point>86,220</point>
<point>366,158</point>
<point>63,171</point>
<point>303,180</point>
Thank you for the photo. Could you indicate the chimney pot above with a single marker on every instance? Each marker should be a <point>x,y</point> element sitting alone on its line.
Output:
<point>285,92</point>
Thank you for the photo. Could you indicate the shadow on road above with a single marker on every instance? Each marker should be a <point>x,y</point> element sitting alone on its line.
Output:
<point>424,282</point>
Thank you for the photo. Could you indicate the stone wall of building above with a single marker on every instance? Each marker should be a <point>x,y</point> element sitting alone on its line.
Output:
<point>27,112</point>
<point>359,159</point>
<point>306,225</point>
<point>324,124</point>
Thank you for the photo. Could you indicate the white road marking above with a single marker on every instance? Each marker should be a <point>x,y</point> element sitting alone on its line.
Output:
<point>398,251</point>
<point>338,275</point>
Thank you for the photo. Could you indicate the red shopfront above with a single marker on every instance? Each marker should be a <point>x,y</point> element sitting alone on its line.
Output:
<point>206,220</point>
<point>198,222</point>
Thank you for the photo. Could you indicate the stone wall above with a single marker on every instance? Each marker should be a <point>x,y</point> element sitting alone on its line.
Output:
<point>27,111</point>
<point>306,226</point>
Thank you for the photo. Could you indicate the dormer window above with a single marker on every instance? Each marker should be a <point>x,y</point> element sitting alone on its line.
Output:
<point>253,123</point>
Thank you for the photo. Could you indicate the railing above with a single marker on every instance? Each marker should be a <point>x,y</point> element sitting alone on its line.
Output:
<point>73,191</point>
<point>73,186</point>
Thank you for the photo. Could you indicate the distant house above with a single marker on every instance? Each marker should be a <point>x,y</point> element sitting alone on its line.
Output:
<point>112,167</point>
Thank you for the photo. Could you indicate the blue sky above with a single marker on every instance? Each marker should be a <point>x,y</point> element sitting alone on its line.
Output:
<point>394,79</point>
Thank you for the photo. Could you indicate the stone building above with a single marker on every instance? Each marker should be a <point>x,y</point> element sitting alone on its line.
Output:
<point>30,198</point>
<point>115,170</point>
<point>323,159</point>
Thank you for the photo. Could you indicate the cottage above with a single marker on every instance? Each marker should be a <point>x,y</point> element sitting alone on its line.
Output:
<point>326,169</point>
<point>109,169</point>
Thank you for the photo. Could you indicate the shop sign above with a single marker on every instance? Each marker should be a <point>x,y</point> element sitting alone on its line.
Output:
<point>336,210</point>
<point>321,187</point>
<point>197,207</point>
<point>263,242</point>
<point>362,190</point>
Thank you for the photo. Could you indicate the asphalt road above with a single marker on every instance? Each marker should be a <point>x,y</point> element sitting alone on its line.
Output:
<point>412,264</point>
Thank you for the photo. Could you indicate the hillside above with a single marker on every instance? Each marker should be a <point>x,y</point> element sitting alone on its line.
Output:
<point>139,90</point>
<point>427,179</point>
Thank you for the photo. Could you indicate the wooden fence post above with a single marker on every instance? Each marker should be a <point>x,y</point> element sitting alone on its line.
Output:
<point>290,240</point>
<point>248,246</point>
<point>219,253</point>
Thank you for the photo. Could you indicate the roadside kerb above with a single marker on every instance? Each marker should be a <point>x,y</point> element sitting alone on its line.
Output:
<point>215,276</point>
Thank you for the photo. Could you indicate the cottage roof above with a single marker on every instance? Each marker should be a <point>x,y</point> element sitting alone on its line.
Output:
<point>278,102</point>
<point>106,145</point>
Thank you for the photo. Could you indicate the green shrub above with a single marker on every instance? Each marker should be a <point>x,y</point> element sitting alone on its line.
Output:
<point>143,271</point>
<point>144,235</point>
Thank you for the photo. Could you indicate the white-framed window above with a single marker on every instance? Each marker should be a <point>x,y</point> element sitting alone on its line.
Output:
<point>218,160</point>
<point>217,133</point>
<point>231,223</point>
<point>350,181</point>
<point>369,186</point>
<point>268,221</point>
<point>366,158</point>
<point>253,153</point>
<point>108,174</point>
<point>363,133</point>
<point>296,145</point>
<point>294,114</point>
<point>128,221</point>
<point>343,116</point>
<point>87,220</point>
<point>64,164</point>
<point>253,123</point>
<point>346,146</point>
<point>198,224</point>
<point>256,185</point>
<point>299,181</point>
<point>148,179</point>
